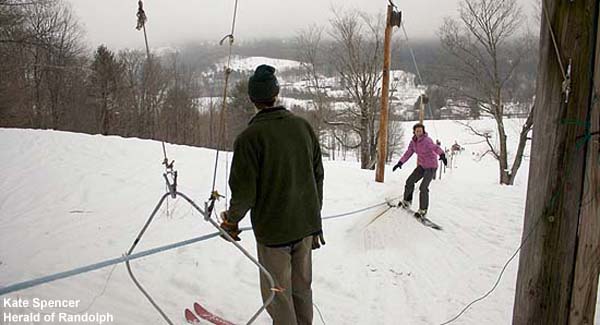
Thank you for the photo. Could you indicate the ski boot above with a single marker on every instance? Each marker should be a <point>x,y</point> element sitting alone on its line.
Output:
<point>404,204</point>
<point>421,214</point>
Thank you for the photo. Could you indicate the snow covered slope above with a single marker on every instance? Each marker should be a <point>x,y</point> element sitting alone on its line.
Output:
<point>68,200</point>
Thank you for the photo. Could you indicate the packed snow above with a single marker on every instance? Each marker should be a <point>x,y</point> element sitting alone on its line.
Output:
<point>68,200</point>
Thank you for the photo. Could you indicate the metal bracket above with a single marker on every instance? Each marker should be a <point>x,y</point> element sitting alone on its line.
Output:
<point>566,85</point>
<point>210,204</point>
<point>170,176</point>
<point>229,37</point>
<point>171,180</point>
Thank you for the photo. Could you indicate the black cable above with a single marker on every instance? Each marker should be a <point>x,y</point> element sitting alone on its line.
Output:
<point>499,276</point>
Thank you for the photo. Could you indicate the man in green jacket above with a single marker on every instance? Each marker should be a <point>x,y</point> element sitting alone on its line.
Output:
<point>277,174</point>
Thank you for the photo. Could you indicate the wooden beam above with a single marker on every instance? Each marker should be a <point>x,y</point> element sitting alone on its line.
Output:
<point>385,93</point>
<point>553,232</point>
<point>587,260</point>
<point>422,108</point>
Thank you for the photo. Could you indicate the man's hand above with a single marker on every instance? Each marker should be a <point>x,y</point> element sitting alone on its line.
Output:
<point>231,228</point>
<point>318,240</point>
<point>443,159</point>
<point>396,166</point>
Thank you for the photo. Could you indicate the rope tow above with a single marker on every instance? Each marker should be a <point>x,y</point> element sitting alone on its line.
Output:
<point>414,59</point>
<point>133,256</point>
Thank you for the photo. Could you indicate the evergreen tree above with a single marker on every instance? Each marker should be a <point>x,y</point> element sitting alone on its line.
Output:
<point>104,84</point>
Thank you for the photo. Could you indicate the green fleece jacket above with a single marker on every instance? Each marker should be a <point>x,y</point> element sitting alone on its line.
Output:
<point>277,173</point>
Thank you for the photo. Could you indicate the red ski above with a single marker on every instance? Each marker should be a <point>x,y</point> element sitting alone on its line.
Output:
<point>190,317</point>
<point>207,315</point>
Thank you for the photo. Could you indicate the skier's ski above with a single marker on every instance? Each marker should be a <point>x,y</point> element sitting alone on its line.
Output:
<point>425,221</point>
<point>207,315</point>
<point>422,219</point>
<point>190,317</point>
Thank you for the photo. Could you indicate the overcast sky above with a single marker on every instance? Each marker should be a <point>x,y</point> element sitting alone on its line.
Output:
<point>170,22</point>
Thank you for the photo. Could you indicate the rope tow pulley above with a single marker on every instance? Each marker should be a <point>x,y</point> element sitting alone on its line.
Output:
<point>141,16</point>
<point>396,18</point>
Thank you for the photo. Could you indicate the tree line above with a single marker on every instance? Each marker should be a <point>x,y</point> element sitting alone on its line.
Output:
<point>49,80</point>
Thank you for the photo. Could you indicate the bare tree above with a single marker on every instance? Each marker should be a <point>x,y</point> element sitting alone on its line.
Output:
<point>310,53</point>
<point>179,111</point>
<point>54,52</point>
<point>357,57</point>
<point>395,130</point>
<point>239,111</point>
<point>41,57</point>
<point>482,65</point>
<point>395,140</point>
<point>146,83</point>
<point>12,83</point>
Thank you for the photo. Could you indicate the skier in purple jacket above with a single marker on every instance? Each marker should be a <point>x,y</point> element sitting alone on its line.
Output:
<point>427,156</point>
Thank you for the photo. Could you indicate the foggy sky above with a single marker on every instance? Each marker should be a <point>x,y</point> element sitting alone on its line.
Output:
<point>171,22</point>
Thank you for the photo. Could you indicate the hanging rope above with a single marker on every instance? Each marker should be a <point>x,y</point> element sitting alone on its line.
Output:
<point>172,182</point>
<point>141,25</point>
<point>566,85</point>
<point>222,119</point>
<point>556,49</point>
<point>170,175</point>
<point>412,54</point>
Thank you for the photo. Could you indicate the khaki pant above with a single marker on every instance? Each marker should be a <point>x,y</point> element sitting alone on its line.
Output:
<point>291,268</point>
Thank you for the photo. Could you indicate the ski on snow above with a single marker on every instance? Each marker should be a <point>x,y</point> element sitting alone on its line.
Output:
<point>201,312</point>
<point>422,219</point>
<point>190,317</point>
<point>425,221</point>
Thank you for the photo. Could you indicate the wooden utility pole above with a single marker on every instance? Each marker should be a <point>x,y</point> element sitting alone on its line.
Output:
<point>587,260</point>
<point>394,18</point>
<point>559,262</point>
<point>423,100</point>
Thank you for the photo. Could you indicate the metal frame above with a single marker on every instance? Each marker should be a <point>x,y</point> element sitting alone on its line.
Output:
<point>208,208</point>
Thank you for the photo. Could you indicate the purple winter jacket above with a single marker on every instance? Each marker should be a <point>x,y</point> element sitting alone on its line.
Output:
<point>427,151</point>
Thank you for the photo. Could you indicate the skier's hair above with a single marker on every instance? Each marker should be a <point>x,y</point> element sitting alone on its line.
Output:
<point>418,125</point>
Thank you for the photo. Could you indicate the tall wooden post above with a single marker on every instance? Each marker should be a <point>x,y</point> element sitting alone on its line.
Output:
<point>393,19</point>
<point>423,100</point>
<point>559,262</point>
<point>587,260</point>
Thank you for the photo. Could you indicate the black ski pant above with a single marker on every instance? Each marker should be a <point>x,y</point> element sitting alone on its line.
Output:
<point>427,174</point>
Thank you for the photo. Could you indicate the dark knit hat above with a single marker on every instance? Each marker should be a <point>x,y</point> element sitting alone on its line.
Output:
<point>418,125</point>
<point>263,85</point>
